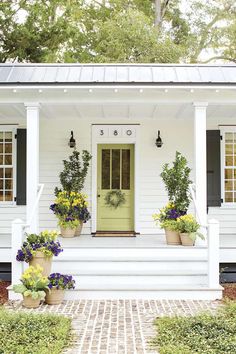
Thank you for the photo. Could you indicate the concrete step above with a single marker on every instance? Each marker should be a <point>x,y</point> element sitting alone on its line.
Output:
<point>127,267</point>
<point>170,292</point>
<point>132,254</point>
<point>137,282</point>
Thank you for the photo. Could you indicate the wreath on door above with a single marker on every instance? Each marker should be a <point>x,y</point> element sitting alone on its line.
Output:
<point>115,199</point>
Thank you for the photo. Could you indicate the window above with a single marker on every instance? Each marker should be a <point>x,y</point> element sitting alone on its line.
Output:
<point>229,165</point>
<point>7,165</point>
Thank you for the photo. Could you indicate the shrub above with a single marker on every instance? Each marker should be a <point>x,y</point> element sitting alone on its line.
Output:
<point>204,333</point>
<point>177,182</point>
<point>27,333</point>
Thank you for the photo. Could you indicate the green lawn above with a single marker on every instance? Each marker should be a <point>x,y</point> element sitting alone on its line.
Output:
<point>203,334</point>
<point>26,333</point>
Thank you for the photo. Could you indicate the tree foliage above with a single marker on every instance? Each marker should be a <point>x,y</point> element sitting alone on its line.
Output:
<point>73,176</point>
<point>177,182</point>
<point>117,30</point>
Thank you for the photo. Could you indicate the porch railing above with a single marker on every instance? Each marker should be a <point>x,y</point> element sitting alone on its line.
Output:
<point>19,227</point>
<point>213,244</point>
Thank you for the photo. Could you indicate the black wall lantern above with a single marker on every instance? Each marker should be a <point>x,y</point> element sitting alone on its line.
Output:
<point>72,141</point>
<point>159,142</point>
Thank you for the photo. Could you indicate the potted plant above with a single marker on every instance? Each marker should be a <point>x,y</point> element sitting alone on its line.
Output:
<point>33,286</point>
<point>39,249</point>
<point>177,182</point>
<point>72,180</point>
<point>167,220</point>
<point>58,283</point>
<point>188,228</point>
<point>71,210</point>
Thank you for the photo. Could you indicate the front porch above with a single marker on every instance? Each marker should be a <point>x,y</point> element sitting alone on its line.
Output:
<point>94,111</point>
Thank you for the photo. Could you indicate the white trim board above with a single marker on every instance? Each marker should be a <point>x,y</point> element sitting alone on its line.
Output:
<point>104,134</point>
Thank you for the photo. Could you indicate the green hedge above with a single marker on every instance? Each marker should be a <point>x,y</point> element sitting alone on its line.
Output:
<point>27,333</point>
<point>203,334</point>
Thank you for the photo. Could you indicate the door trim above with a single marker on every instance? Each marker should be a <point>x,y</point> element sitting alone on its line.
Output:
<point>115,134</point>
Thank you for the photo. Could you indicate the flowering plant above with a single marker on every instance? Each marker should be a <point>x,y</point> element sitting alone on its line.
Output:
<point>45,242</point>
<point>167,216</point>
<point>61,281</point>
<point>70,207</point>
<point>33,283</point>
<point>188,224</point>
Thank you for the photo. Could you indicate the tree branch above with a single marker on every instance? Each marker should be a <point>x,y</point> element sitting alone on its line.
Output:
<point>218,57</point>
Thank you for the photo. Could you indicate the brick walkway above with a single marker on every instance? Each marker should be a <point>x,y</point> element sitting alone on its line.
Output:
<point>117,327</point>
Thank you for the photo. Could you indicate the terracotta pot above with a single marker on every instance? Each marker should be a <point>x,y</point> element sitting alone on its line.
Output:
<point>186,240</point>
<point>79,228</point>
<point>67,232</point>
<point>172,237</point>
<point>43,261</point>
<point>30,303</point>
<point>54,296</point>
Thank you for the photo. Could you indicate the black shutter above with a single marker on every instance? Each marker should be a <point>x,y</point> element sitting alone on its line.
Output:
<point>21,167</point>
<point>213,168</point>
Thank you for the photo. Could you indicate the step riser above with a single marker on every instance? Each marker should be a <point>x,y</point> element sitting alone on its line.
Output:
<point>126,268</point>
<point>181,253</point>
<point>144,295</point>
<point>86,282</point>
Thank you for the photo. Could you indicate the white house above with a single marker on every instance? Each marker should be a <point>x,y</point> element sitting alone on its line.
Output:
<point>115,112</point>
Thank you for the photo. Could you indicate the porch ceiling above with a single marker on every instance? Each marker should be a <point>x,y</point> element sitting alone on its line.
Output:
<point>112,111</point>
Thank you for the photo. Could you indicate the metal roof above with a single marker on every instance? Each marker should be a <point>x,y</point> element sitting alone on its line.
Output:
<point>106,74</point>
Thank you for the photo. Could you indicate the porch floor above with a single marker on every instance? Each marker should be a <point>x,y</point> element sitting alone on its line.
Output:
<point>140,241</point>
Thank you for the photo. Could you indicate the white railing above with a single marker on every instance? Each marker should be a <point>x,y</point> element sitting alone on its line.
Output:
<point>19,227</point>
<point>213,244</point>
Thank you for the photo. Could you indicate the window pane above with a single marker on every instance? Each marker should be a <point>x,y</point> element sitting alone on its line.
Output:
<point>115,169</point>
<point>1,159</point>
<point>229,197</point>
<point>229,185</point>
<point>8,159</point>
<point>229,149</point>
<point>8,148</point>
<point>1,137</point>
<point>229,160</point>
<point>1,183</point>
<point>1,148</point>
<point>1,172</point>
<point>8,196</point>
<point>105,169</point>
<point>1,196</point>
<point>125,169</point>
<point>8,136</point>
<point>8,184</point>
<point>8,173</point>
<point>229,137</point>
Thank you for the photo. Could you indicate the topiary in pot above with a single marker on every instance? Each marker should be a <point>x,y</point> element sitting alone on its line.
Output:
<point>73,176</point>
<point>177,182</point>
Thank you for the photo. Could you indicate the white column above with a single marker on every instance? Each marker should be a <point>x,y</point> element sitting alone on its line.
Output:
<point>32,112</point>
<point>16,267</point>
<point>213,253</point>
<point>200,159</point>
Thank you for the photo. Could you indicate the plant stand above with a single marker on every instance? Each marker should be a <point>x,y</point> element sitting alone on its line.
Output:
<point>43,261</point>
<point>172,237</point>
<point>54,296</point>
<point>186,240</point>
<point>67,232</point>
<point>30,303</point>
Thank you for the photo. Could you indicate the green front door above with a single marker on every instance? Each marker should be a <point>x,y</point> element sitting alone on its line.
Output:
<point>115,173</point>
